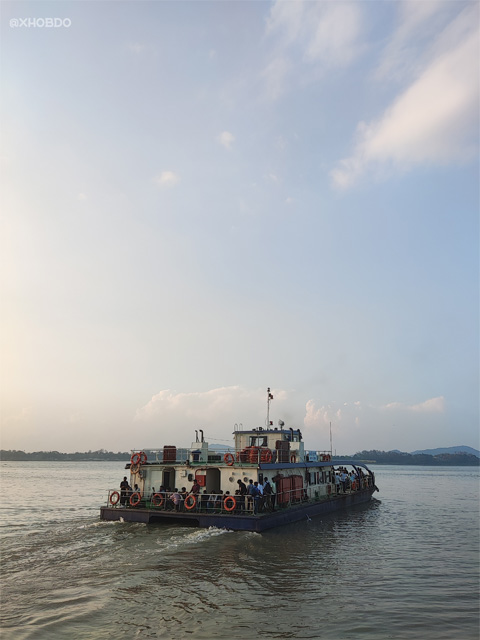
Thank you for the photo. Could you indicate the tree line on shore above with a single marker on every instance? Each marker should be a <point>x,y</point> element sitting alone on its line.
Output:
<point>425,459</point>
<point>100,455</point>
<point>373,456</point>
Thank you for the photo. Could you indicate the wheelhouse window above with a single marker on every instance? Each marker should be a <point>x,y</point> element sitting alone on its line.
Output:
<point>258,441</point>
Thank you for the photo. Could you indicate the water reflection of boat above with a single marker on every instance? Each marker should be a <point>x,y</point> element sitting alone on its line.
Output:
<point>266,480</point>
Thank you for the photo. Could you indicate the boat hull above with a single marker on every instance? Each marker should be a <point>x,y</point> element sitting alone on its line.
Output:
<point>239,522</point>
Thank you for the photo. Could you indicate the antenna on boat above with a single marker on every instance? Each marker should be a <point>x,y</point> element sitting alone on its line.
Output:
<point>269,397</point>
<point>331,450</point>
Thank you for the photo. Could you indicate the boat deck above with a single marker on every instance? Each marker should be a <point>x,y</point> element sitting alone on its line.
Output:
<point>245,521</point>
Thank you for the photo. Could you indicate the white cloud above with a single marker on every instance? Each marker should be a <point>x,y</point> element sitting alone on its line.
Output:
<point>325,31</point>
<point>226,139</point>
<point>318,34</point>
<point>336,31</point>
<point>432,405</point>
<point>321,417</point>
<point>216,411</point>
<point>274,77</point>
<point>434,121</point>
<point>417,21</point>
<point>167,179</point>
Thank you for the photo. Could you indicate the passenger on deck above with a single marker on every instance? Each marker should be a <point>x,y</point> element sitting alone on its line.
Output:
<point>176,498</point>
<point>250,491</point>
<point>204,500</point>
<point>240,500</point>
<point>123,490</point>
<point>195,487</point>
<point>274,493</point>
<point>343,478</point>
<point>256,497</point>
<point>337,482</point>
<point>353,480</point>
<point>267,494</point>
<point>242,487</point>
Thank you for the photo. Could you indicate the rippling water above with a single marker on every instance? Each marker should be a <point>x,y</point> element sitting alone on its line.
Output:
<point>404,566</point>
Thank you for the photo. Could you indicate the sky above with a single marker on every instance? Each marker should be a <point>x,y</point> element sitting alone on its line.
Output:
<point>202,200</point>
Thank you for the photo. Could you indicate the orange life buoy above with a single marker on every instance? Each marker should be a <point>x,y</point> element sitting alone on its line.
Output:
<point>190,501</point>
<point>135,468</point>
<point>233,501</point>
<point>135,498</point>
<point>229,459</point>
<point>157,499</point>
<point>114,497</point>
<point>293,458</point>
<point>268,456</point>
<point>143,457</point>
<point>135,459</point>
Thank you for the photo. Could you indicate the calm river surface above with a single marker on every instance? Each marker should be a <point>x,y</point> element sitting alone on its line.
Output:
<point>405,566</point>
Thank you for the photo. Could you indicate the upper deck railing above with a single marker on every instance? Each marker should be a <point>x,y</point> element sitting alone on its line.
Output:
<point>228,455</point>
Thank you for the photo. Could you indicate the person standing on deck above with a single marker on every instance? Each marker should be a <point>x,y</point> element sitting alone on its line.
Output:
<point>195,490</point>
<point>123,490</point>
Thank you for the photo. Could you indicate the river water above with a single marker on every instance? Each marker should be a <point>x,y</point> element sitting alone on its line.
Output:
<point>404,566</point>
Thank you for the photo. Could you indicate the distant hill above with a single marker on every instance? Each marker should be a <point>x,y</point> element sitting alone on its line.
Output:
<point>437,452</point>
<point>397,457</point>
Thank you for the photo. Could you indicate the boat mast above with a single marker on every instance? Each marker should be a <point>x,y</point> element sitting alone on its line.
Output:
<point>269,397</point>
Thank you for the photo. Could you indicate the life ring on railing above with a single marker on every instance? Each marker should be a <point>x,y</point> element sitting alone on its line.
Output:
<point>229,459</point>
<point>143,457</point>
<point>268,456</point>
<point>135,459</point>
<point>293,458</point>
<point>157,500</point>
<point>135,499</point>
<point>134,468</point>
<point>232,500</point>
<point>190,502</point>
<point>114,497</point>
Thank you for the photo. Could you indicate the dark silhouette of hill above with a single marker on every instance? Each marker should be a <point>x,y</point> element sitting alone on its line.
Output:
<point>461,449</point>
<point>398,457</point>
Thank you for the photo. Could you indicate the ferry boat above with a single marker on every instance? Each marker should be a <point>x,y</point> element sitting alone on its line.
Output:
<point>265,480</point>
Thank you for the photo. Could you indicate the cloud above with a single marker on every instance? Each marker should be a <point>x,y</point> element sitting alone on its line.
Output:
<point>167,179</point>
<point>434,121</point>
<point>178,414</point>
<point>274,77</point>
<point>433,405</point>
<point>226,139</point>
<point>326,32</point>
<point>336,29</point>
<point>321,417</point>
<point>417,21</point>
<point>318,35</point>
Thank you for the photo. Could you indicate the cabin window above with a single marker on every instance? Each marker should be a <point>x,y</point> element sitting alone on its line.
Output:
<point>258,441</point>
